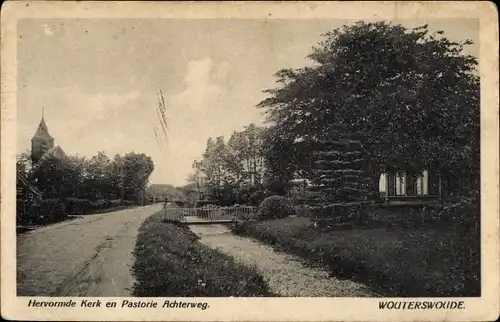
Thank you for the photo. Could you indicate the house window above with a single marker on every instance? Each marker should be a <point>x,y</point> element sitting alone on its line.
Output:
<point>422,184</point>
<point>382,184</point>
<point>425,182</point>
<point>400,185</point>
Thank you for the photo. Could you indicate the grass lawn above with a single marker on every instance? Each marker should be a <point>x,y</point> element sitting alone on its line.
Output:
<point>394,261</point>
<point>171,262</point>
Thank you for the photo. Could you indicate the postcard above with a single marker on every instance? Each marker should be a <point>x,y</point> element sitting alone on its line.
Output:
<point>249,161</point>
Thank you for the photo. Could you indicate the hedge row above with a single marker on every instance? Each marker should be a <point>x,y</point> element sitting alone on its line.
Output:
<point>457,214</point>
<point>43,212</point>
<point>76,206</point>
<point>47,211</point>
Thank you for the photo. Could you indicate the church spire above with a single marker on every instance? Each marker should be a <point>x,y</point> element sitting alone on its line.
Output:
<point>42,141</point>
<point>42,131</point>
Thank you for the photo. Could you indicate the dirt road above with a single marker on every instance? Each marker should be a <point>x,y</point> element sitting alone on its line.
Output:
<point>285,274</point>
<point>91,256</point>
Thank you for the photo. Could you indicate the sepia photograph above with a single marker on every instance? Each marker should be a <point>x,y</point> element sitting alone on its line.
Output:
<point>186,158</point>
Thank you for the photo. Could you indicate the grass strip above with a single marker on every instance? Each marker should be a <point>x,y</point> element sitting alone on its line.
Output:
<point>171,262</point>
<point>395,262</point>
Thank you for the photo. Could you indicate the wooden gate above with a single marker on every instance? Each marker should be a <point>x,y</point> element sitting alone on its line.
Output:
<point>207,216</point>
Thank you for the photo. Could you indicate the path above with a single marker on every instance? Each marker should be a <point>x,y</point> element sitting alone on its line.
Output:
<point>284,273</point>
<point>91,256</point>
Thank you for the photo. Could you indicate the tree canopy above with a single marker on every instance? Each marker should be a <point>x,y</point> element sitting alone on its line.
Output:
<point>230,171</point>
<point>411,98</point>
<point>98,177</point>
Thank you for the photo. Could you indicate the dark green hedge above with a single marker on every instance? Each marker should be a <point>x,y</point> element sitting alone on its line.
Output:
<point>47,211</point>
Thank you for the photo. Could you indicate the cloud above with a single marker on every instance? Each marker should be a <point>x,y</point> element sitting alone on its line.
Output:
<point>197,109</point>
<point>115,120</point>
<point>195,114</point>
<point>198,72</point>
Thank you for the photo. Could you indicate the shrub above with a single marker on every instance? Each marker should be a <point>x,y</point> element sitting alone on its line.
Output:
<point>116,202</point>
<point>49,210</point>
<point>27,213</point>
<point>202,203</point>
<point>256,198</point>
<point>240,215</point>
<point>275,207</point>
<point>99,204</point>
<point>75,206</point>
<point>128,202</point>
<point>20,213</point>
<point>463,213</point>
<point>240,226</point>
<point>179,203</point>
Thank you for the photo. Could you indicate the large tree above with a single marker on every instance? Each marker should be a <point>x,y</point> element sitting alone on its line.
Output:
<point>246,157</point>
<point>135,169</point>
<point>211,173</point>
<point>231,172</point>
<point>410,97</point>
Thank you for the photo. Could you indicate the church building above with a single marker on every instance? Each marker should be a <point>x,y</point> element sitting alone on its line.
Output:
<point>42,145</point>
<point>42,148</point>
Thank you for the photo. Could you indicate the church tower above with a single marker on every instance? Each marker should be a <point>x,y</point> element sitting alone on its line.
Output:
<point>41,142</point>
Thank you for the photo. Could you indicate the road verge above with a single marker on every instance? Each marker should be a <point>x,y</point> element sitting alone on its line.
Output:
<point>169,261</point>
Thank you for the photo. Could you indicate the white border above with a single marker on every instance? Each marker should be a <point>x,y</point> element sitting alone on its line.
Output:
<point>290,309</point>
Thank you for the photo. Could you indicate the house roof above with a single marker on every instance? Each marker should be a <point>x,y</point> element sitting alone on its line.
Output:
<point>55,152</point>
<point>27,184</point>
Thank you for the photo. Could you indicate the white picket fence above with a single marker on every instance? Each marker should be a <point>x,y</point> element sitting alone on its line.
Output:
<point>208,214</point>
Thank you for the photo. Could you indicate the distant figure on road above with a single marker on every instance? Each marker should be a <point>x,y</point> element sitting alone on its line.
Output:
<point>166,203</point>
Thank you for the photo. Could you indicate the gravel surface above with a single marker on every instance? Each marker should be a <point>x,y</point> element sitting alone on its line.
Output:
<point>90,256</point>
<point>287,275</point>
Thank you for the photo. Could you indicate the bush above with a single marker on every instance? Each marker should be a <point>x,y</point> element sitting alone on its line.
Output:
<point>171,262</point>
<point>240,215</point>
<point>128,202</point>
<point>240,226</point>
<point>275,207</point>
<point>116,202</point>
<point>202,203</point>
<point>28,213</point>
<point>99,204</point>
<point>179,203</point>
<point>49,211</point>
<point>75,206</point>
<point>256,198</point>
<point>463,213</point>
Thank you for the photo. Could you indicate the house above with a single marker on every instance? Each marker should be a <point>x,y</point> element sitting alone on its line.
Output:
<point>25,190</point>
<point>405,188</point>
<point>395,188</point>
<point>27,195</point>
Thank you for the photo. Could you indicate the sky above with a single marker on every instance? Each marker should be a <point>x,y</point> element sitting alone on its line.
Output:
<point>97,80</point>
